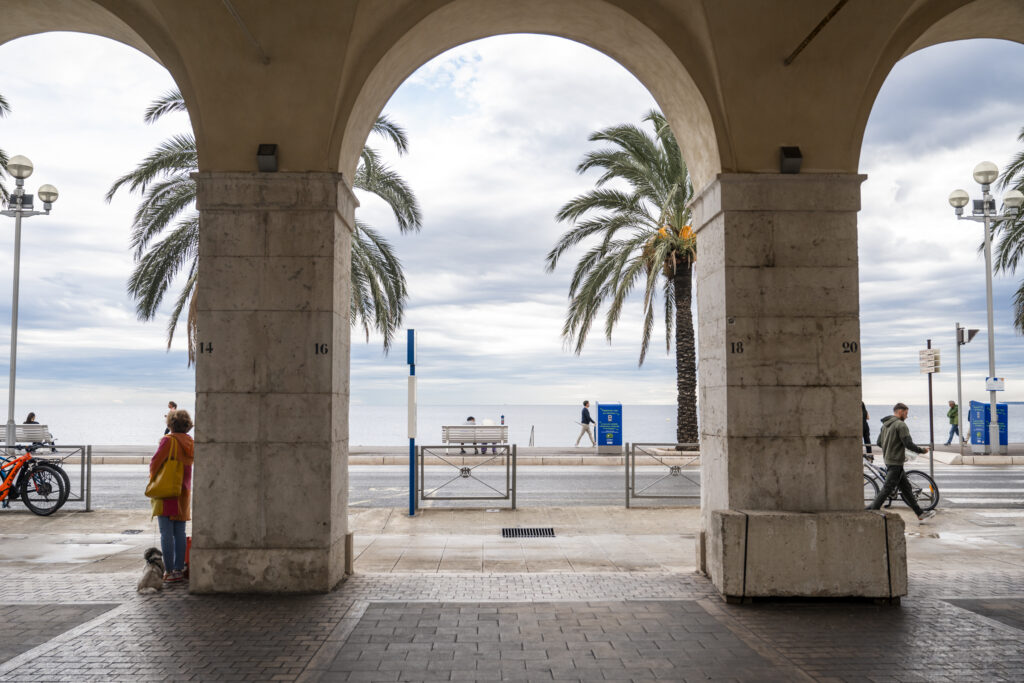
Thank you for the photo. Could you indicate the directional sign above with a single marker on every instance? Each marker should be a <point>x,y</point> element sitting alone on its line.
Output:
<point>929,360</point>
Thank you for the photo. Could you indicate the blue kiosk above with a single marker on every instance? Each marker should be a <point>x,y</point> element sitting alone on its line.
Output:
<point>980,416</point>
<point>609,428</point>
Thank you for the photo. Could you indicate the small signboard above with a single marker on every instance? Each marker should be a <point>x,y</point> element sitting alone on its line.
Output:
<point>929,360</point>
<point>609,427</point>
<point>995,384</point>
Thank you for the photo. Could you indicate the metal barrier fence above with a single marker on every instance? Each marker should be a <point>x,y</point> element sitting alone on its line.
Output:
<point>58,455</point>
<point>671,476</point>
<point>472,474</point>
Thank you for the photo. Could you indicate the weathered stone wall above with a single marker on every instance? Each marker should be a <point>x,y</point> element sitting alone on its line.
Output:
<point>272,382</point>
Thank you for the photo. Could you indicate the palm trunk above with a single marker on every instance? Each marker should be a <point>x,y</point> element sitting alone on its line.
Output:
<point>686,360</point>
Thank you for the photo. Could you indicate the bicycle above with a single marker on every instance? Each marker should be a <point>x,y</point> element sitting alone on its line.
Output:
<point>926,491</point>
<point>40,485</point>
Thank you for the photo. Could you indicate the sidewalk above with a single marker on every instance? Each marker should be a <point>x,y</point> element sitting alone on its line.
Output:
<point>443,597</point>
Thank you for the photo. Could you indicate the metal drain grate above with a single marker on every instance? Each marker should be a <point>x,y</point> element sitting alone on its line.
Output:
<point>535,532</point>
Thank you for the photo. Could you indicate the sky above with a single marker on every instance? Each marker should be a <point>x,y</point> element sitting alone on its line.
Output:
<point>496,129</point>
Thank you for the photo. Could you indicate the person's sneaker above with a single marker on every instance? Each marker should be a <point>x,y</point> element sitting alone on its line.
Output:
<point>173,577</point>
<point>927,514</point>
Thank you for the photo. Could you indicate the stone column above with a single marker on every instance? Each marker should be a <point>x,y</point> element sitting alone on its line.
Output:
<point>779,344</point>
<point>271,472</point>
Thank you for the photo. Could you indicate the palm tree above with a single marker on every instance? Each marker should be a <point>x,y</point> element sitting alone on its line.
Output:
<point>5,109</point>
<point>635,235</point>
<point>1010,245</point>
<point>168,193</point>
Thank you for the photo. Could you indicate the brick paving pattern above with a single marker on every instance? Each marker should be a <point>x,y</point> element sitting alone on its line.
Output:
<point>956,625</point>
<point>544,641</point>
<point>26,626</point>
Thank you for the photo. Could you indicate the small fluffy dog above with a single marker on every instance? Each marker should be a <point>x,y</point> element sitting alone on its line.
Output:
<point>153,575</point>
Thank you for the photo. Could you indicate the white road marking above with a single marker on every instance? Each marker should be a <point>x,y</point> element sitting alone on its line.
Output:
<point>986,501</point>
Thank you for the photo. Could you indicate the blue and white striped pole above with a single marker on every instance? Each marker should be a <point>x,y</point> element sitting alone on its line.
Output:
<point>411,354</point>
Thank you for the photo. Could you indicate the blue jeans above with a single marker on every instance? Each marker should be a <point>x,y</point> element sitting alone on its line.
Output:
<point>172,543</point>
<point>954,430</point>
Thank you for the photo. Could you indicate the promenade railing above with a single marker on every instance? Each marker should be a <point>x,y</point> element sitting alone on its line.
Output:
<point>466,477</point>
<point>662,471</point>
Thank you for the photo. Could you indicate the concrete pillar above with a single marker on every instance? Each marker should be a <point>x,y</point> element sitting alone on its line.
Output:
<point>779,343</point>
<point>271,472</point>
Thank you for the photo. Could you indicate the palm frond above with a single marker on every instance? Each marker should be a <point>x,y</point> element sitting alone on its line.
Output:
<point>170,101</point>
<point>392,131</point>
<point>175,155</point>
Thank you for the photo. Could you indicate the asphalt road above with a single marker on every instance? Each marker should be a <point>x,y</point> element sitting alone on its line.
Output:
<point>121,486</point>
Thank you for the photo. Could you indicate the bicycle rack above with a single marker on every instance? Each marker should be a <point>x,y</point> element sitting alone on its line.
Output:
<point>466,473</point>
<point>63,452</point>
<point>677,469</point>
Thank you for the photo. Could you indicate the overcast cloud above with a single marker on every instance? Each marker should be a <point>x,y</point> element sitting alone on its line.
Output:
<point>496,129</point>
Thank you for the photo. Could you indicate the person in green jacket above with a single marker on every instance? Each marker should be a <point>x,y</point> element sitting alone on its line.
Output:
<point>954,421</point>
<point>894,440</point>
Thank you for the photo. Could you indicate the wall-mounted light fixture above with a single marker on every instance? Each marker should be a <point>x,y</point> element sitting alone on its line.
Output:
<point>790,159</point>
<point>266,158</point>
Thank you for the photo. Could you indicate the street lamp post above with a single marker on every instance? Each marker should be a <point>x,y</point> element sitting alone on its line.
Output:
<point>20,206</point>
<point>985,174</point>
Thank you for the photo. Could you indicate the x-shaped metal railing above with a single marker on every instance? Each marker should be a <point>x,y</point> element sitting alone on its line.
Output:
<point>681,463</point>
<point>467,467</point>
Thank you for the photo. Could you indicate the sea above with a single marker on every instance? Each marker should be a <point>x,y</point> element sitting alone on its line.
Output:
<point>549,425</point>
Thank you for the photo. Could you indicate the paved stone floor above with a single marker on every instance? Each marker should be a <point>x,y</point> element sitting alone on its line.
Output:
<point>78,618</point>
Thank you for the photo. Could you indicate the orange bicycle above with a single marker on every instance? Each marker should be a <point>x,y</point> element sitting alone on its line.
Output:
<point>41,486</point>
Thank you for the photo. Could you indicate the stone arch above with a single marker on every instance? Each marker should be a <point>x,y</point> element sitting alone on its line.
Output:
<point>132,26</point>
<point>930,25</point>
<point>668,76</point>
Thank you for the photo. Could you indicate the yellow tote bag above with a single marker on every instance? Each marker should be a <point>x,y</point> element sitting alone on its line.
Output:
<point>168,480</point>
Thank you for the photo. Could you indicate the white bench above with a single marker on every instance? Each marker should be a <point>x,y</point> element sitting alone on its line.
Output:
<point>32,434</point>
<point>474,434</point>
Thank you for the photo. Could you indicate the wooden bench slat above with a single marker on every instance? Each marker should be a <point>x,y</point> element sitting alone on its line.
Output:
<point>474,434</point>
<point>30,433</point>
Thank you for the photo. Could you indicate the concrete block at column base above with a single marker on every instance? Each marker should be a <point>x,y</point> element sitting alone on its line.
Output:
<point>762,554</point>
<point>266,570</point>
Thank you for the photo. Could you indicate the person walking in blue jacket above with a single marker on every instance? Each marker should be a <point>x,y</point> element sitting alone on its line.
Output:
<point>585,422</point>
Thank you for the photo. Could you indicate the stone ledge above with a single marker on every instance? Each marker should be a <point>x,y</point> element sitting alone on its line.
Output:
<point>757,553</point>
<point>266,570</point>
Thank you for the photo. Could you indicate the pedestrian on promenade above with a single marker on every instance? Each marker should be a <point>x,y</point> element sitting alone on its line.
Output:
<point>31,419</point>
<point>894,440</point>
<point>585,422</point>
<point>954,421</point>
<point>867,428</point>
<point>172,513</point>
<point>171,407</point>
<point>470,422</point>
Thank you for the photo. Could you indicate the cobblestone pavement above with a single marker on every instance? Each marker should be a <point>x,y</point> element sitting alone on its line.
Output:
<point>525,627</point>
<point>65,615</point>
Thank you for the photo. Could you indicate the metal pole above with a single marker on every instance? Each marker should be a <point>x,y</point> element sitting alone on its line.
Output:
<point>931,424</point>
<point>959,390</point>
<point>14,325</point>
<point>411,355</point>
<point>88,481</point>
<point>993,425</point>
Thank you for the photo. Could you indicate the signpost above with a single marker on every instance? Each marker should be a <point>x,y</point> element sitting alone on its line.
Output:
<point>929,362</point>
<point>411,357</point>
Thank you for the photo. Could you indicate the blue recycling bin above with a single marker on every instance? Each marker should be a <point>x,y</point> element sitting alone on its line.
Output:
<point>609,428</point>
<point>980,415</point>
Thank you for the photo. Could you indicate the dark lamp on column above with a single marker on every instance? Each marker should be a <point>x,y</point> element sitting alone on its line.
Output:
<point>266,158</point>
<point>790,159</point>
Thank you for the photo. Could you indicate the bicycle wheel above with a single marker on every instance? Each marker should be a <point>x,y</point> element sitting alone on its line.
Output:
<point>870,490</point>
<point>926,491</point>
<point>42,489</point>
<point>67,481</point>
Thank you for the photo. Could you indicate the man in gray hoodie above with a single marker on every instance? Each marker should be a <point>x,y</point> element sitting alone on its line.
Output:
<point>894,440</point>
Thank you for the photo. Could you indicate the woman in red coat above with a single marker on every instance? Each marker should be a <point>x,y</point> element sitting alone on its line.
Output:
<point>172,513</point>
